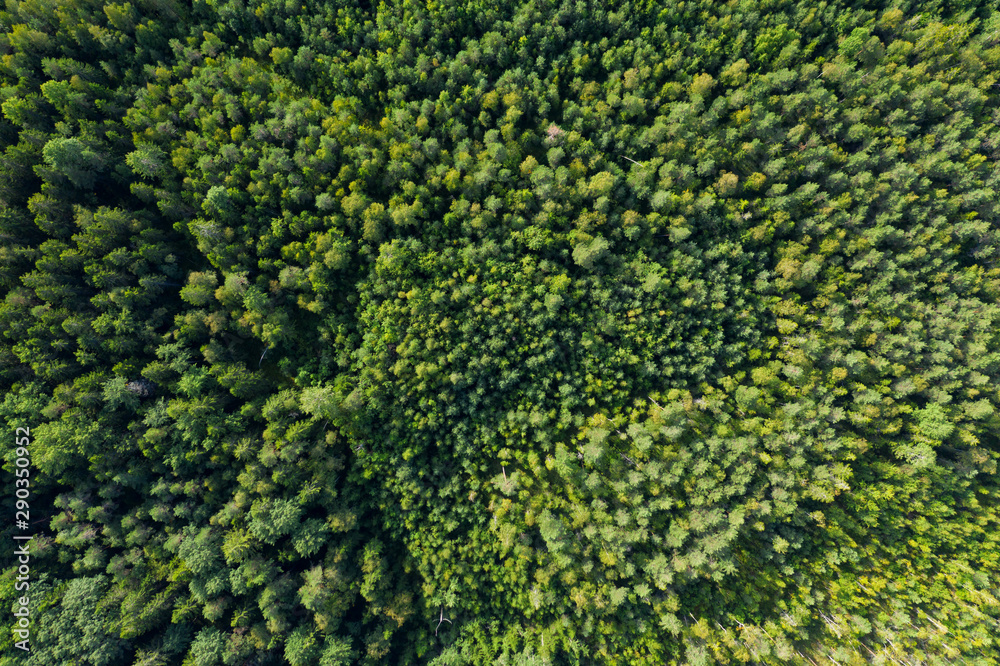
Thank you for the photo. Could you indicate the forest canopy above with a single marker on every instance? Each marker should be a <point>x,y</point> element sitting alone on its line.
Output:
<point>549,332</point>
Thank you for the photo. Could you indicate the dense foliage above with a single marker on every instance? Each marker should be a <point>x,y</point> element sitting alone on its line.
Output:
<point>503,333</point>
